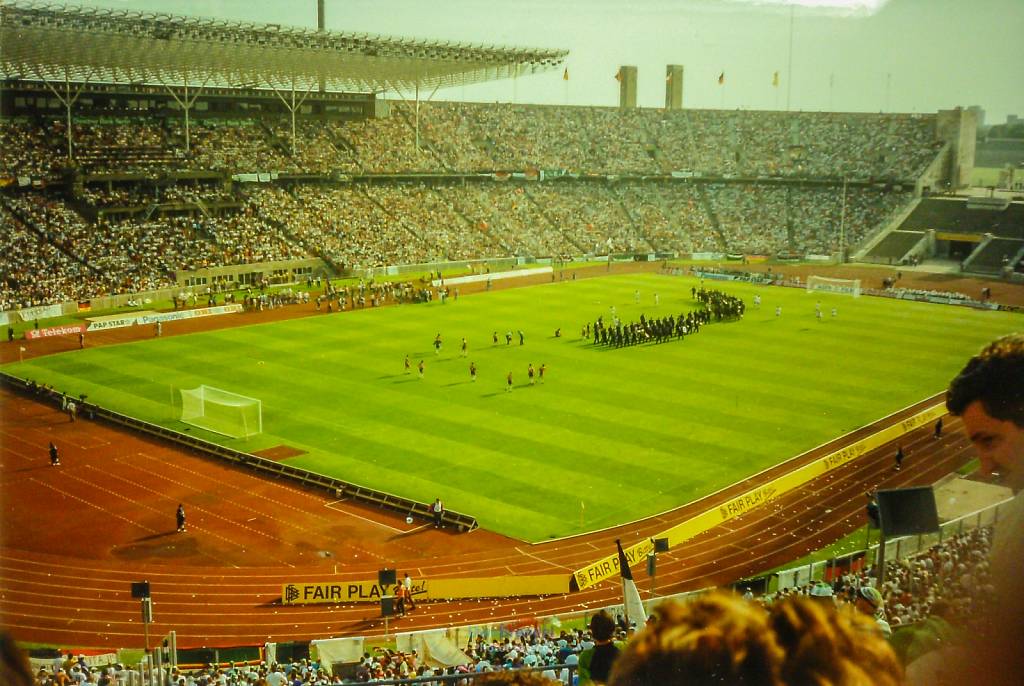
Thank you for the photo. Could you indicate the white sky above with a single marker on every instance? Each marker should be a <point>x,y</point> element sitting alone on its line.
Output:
<point>900,55</point>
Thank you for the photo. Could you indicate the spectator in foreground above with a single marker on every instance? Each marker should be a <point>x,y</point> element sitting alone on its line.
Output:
<point>869,602</point>
<point>596,663</point>
<point>826,646</point>
<point>988,396</point>
<point>14,665</point>
<point>716,639</point>
<point>722,639</point>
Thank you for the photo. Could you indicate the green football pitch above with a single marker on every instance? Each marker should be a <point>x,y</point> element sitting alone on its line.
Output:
<point>611,436</point>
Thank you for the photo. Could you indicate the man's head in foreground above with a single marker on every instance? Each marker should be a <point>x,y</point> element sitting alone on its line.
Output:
<point>988,395</point>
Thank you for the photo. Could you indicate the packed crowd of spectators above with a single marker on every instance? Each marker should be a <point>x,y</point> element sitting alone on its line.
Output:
<point>431,214</point>
<point>128,194</point>
<point>592,218</point>
<point>387,222</point>
<point>74,259</point>
<point>243,146</point>
<point>939,594</point>
<point>364,225</point>
<point>34,271</point>
<point>765,219</point>
<point>57,225</point>
<point>27,149</point>
<point>955,572</point>
<point>797,144</point>
<point>103,196</point>
<point>341,224</point>
<point>246,238</point>
<point>469,137</point>
<point>117,145</point>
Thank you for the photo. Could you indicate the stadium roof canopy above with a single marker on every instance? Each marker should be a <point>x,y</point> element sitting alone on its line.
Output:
<point>58,42</point>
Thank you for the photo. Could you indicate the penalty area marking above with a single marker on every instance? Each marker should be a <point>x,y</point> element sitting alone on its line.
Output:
<point>353,514</point>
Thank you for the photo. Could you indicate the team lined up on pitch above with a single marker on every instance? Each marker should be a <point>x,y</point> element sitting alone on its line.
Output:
<point>717,306</point>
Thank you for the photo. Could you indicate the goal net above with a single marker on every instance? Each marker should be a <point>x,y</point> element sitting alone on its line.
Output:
<point>843,286</point>
<point>222,412</point>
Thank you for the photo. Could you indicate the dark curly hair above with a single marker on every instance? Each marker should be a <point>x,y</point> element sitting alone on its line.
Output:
<point>716,639</point>
<point>995,376</point>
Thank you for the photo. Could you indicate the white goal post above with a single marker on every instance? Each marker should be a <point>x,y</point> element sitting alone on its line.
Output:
<point>825,284</point>
<point>222,412</point>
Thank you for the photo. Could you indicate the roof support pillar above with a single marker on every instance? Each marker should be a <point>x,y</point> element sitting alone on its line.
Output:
<point>416,106</point>
<point>186,104</point>
<point>293,106</point>
<point>68,100</point>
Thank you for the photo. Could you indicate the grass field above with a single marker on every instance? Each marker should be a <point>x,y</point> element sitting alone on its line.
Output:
<point>610,437</point>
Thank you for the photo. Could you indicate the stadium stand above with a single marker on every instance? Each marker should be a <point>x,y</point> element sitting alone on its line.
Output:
<point>140,167</point>
<point>895,245</point>
<point>35,271</point>
<point>380,224</point>
<point>956,215</point>
<point>994,255</point>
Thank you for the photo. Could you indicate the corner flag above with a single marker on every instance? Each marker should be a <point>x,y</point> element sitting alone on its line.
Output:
<point>635,613</point>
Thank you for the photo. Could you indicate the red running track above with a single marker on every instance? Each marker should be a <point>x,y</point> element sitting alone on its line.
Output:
<point>75,536</point>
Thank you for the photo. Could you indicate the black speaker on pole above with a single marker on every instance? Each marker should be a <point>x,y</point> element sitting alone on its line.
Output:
<point>387,577</point>
<point>140,589</point>
<point>907,511</point>
<point>387,606</point>
<point>661,545</point>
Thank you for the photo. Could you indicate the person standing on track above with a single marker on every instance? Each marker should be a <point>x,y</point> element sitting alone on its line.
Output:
<point>54,456</point>
<point>407,592</point>
<point>899,458</point>
<point>179,517</point>
<point>438,511</point>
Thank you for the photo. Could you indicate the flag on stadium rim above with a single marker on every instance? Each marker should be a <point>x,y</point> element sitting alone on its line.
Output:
<point>635,613</point>
<point>618,75</point>
<point>721,79</point>
<point>565,74</point>
<point>775,79</point>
